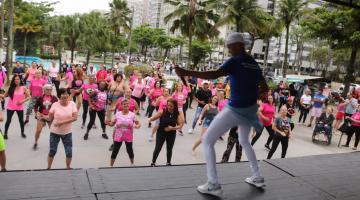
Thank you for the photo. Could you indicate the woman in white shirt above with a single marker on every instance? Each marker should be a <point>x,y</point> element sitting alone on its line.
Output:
<point>55,76</point>
<point>305,105</point>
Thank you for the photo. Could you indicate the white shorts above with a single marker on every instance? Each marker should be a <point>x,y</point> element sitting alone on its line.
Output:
<point>316,112</point>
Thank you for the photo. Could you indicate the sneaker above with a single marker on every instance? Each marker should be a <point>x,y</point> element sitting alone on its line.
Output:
<point>150,139</point>
<point>94,126</point>
<point>82,126</point>
<point>344,145</point>
<point>354,148</point>
<point>26,122</point>
<point>86,136</point>
<point>181,133</point>
<point>258,182</point>
<point>23,135</point>
<point>267,146</point>
<point>5,136</point>
<point>153,165</point>
<point>168,164</point>
<point>211,189</point>
<point>191,131</point>
<point>105,136</point>
<point>309,125</point>
<point>149,125</point>
<point>35,146</point>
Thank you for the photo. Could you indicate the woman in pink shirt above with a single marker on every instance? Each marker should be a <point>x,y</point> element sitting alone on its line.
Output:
<point>18,96</point>
<point>30,73</point>
<point>266,114</point>
<point>76,86</point>
<point>36,90</point>
<point>97,103</point>
<point>69,77</point>
<point>125,121</point>
<point>87,89</point>
<point>156,92</point>
<point>355,128</point>
<point>161,103</point>
<point>2,81</point>
<point>180,98</point>
<point>62,114</point>
<point>138,87</point>
<point>222,101</point>
<point>133,78</point>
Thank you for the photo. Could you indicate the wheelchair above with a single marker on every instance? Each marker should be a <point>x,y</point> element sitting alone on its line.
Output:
<point>322,133</point>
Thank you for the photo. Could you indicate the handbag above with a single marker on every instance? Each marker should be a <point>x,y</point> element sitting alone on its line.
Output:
<point>345,127</point>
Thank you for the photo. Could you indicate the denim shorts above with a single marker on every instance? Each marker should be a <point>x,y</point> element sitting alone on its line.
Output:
<point>66,140</point>
<point>206,123</point>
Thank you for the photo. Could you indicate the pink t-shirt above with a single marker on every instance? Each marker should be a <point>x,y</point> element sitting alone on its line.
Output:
<point>100,102</point>
<point>137,89</point>
<point>18,96</point>
<point>53,72</point>
<point>110,78</point>
<point>268,111</point>
<point>86,87</point>
<point>62,113</point>
<point>162,103</point>
<point>36,87</point>
<point>32,72</point>
<point>356,116</point>
<point>157,93</point>
<point>341,108</point>
<point>222,104</point>
<point>124,126</point>
<point>133,78</point>
<point>180,98</point>
<point>2,78</point>
<point>131,104</point>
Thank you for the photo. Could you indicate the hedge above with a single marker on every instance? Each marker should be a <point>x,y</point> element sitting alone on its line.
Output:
<point>143,69</point>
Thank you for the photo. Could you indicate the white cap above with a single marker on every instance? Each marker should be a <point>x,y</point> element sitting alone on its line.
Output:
<point>234,38</point>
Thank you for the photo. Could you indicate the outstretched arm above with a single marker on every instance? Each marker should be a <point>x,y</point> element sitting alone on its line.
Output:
<point>204,75</point>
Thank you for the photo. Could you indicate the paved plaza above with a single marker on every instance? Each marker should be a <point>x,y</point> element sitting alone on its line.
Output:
<point>94,153</point>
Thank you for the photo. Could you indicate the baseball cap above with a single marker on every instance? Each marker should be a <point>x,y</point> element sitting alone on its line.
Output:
<point>234,38</point>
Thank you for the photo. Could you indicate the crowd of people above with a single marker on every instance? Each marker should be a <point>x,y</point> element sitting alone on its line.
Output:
<point>117,101</point>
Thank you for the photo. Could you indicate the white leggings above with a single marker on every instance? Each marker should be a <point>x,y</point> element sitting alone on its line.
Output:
<point>225,120</point>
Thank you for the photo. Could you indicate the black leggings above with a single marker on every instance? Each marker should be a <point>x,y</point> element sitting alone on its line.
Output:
<point>352,130</point>
<point>3,104</point>
<point>232,141</point>
<point>303,113</point>
<point>161,137</point>
<point>56,83</point>
<point>85,110</point>
<point>136,99</point>
<point>284,144</point>
<point>185,107</point>
<point>101,115</point>
<point>117,146</point>
<point>258,134</point>
<point>9,114</point>
<point>151,110</point>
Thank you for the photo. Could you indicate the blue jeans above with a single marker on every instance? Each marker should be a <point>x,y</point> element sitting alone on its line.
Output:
<point>197,115</point>
<point>322,127</point>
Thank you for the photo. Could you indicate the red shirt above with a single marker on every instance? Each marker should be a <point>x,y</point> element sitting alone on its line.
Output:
<point>101,75</point>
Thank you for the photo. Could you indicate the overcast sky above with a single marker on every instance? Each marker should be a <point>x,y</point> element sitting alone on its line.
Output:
<point>68,7</point>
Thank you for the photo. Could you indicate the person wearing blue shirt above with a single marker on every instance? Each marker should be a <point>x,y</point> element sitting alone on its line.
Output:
<point>351,105</point>
<point>317,110</point>
<point>246,81</point>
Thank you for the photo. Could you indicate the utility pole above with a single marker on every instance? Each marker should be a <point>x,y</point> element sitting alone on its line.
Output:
<point>130,34</point>
<point>2,25</point>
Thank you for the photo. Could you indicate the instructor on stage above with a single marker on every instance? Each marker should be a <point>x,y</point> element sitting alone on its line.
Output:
<point>246,81</point>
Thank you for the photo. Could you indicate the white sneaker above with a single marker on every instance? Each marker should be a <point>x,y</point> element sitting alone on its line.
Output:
<point>150,139</point>
<point>258,182</point>
<point>191,131</point>
<point>211,189</point>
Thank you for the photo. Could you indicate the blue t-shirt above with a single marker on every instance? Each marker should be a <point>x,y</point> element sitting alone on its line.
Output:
<point>244,75</point>
<point>321,97</point>
<point>349,107</point>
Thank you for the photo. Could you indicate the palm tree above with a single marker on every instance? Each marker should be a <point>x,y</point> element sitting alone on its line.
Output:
<point>2,26</point>
<point>72,32</point>
<point>120,18</point>
<point>289,11</point>
<point>10,36</point>
<point>27,23</point>
<point>244,14</point>
<point>191,18</point>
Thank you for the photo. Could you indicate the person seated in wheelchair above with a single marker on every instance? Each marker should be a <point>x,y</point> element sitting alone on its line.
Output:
<point>325,121</point>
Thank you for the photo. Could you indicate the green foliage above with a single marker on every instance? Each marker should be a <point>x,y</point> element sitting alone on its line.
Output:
<point>144,69</point>
<point>272,85</point>
<point>145,36</point>
<point>119,16</point>
<point>200,51</point>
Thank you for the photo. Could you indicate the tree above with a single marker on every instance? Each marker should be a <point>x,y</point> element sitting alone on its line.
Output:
<point>2,27</point>
<point>10,36</point>
<point>289,11</point>
<point>120,18</point>
<point>341,28</point>
<point>26,23</point>
<point>200,51</point>
<point>322,57</point>
<point>244,14</point>
<point>145,37</point>
<point>54,34</point>
<point>192,19</point>
<point>72,32</point>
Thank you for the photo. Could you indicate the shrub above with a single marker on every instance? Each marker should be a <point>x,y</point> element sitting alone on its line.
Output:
<point>48,57</point>
<point>143,69</point>
<point>272,85</point>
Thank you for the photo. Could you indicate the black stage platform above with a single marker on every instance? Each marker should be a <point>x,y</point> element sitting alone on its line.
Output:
<point>313,178</point>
